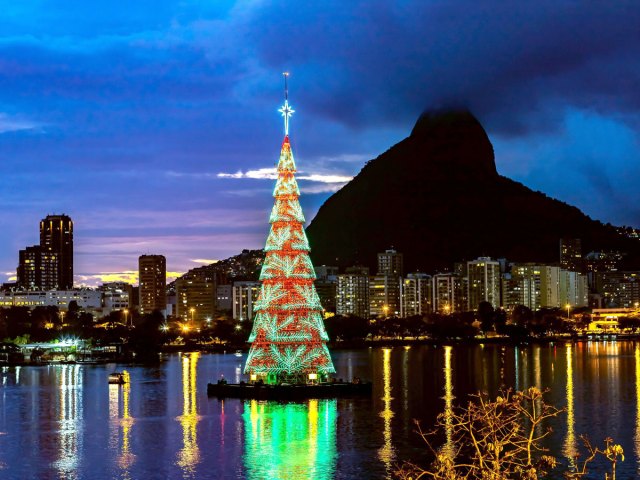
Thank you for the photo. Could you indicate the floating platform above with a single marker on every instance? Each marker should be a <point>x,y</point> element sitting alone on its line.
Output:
<point>289,392</point>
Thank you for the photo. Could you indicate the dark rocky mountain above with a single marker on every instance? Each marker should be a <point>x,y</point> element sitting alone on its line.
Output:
<point>437,197</point>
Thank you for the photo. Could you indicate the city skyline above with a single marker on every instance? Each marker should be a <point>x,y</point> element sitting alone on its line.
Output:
<point>153,127</point>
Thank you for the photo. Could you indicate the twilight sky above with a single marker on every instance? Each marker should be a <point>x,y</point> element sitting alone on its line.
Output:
<point>153,123</point>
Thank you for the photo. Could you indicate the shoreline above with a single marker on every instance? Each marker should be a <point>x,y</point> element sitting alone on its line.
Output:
<point>345,345</point>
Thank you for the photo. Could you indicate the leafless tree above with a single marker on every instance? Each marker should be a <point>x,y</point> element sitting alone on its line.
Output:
<point>499,439</point>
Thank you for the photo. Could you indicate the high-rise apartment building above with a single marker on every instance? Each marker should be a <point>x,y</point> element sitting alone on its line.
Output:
<point>549,286</point>
<point>37,269</point>
<point>532,285</point>
<point>196,296</point>
<point>116,296</point>
<point>415,294</point>
<point>540,286</point>
<point>597,262</point>
<point>384,295</point>
<point>618,289</point>
<point>56,237</point>
<point>447,293</point>
<point>384,288</point>
<point>152,271</point>
<point>224,297</point>
<point>573,289</point>
<point>244,296</point>
<point>326,285</point>
<point>522,286</point>
<point>390,263</point>
<point>571,254</point>
<point>483,282</point>
<point>352,292</point>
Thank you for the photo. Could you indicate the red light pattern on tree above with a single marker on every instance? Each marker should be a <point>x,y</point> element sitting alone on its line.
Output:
<point>288,340</point>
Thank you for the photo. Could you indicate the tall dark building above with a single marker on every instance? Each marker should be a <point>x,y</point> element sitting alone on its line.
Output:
<point>56,237</point>
<point>390,263</point>
<point>37,269</point>
<point>153,283</point>
<point>571,254</point>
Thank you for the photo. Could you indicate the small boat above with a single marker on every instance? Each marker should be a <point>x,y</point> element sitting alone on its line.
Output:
<point>117,378</point>
<point>238,353</point>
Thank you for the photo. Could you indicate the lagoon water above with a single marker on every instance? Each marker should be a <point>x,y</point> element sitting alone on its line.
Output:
<point>65,421</point>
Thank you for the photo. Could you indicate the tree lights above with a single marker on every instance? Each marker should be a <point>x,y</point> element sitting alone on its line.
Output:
<point>288,340</point>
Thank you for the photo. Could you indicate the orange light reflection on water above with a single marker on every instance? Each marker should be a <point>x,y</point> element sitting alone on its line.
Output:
<point>387,452</point>
<point>189,455</point>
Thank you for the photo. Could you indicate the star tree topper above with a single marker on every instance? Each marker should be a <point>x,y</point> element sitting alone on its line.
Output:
<point>286,109</point>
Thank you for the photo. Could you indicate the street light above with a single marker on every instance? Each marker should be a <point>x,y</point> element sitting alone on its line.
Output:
<point>193,311</point>
<point>568,307</point>
<point>126,314</point>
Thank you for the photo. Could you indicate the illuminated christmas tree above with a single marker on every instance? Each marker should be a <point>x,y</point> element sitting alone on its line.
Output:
<point>288,341</point>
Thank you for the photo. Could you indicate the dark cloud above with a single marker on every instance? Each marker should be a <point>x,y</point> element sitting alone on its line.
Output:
<point>508,61</point>
<point>98,103</point>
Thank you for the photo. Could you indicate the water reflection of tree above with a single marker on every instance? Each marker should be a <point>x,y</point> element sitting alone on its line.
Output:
<point>290,441</point>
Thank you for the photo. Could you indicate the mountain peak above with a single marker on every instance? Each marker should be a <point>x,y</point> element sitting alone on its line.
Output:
<point>433,122</point>
<point>459,133</point>
<point>438,198</point>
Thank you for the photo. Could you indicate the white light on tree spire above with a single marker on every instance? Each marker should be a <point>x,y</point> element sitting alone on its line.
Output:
<point>286,109</point>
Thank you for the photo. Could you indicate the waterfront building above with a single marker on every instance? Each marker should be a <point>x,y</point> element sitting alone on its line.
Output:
<point>522,286</point>
<point>326,286</point>
<point>384,295</point>
<point>596,262</point>
<point>224,300</point>
<point>352,292</point>
<point>56,238</point>
<point>152,270</point>
<point>116,296</point>
<point>571,254</point>
<point>244,297</point>
<point>390,262</point>
<point>37,269</point>
<point>384,288</point>
<point>573,290</point>
<point>415,294</point>
<point>446,293</point>
<point>543,286</point>
<point>85,298</point>
<point>618,289</point>
<point>483,282</point>
<point>196,296</point>
<point>549,286</point>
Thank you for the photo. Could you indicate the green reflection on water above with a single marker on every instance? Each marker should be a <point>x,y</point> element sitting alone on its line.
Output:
<point>291,440</point>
